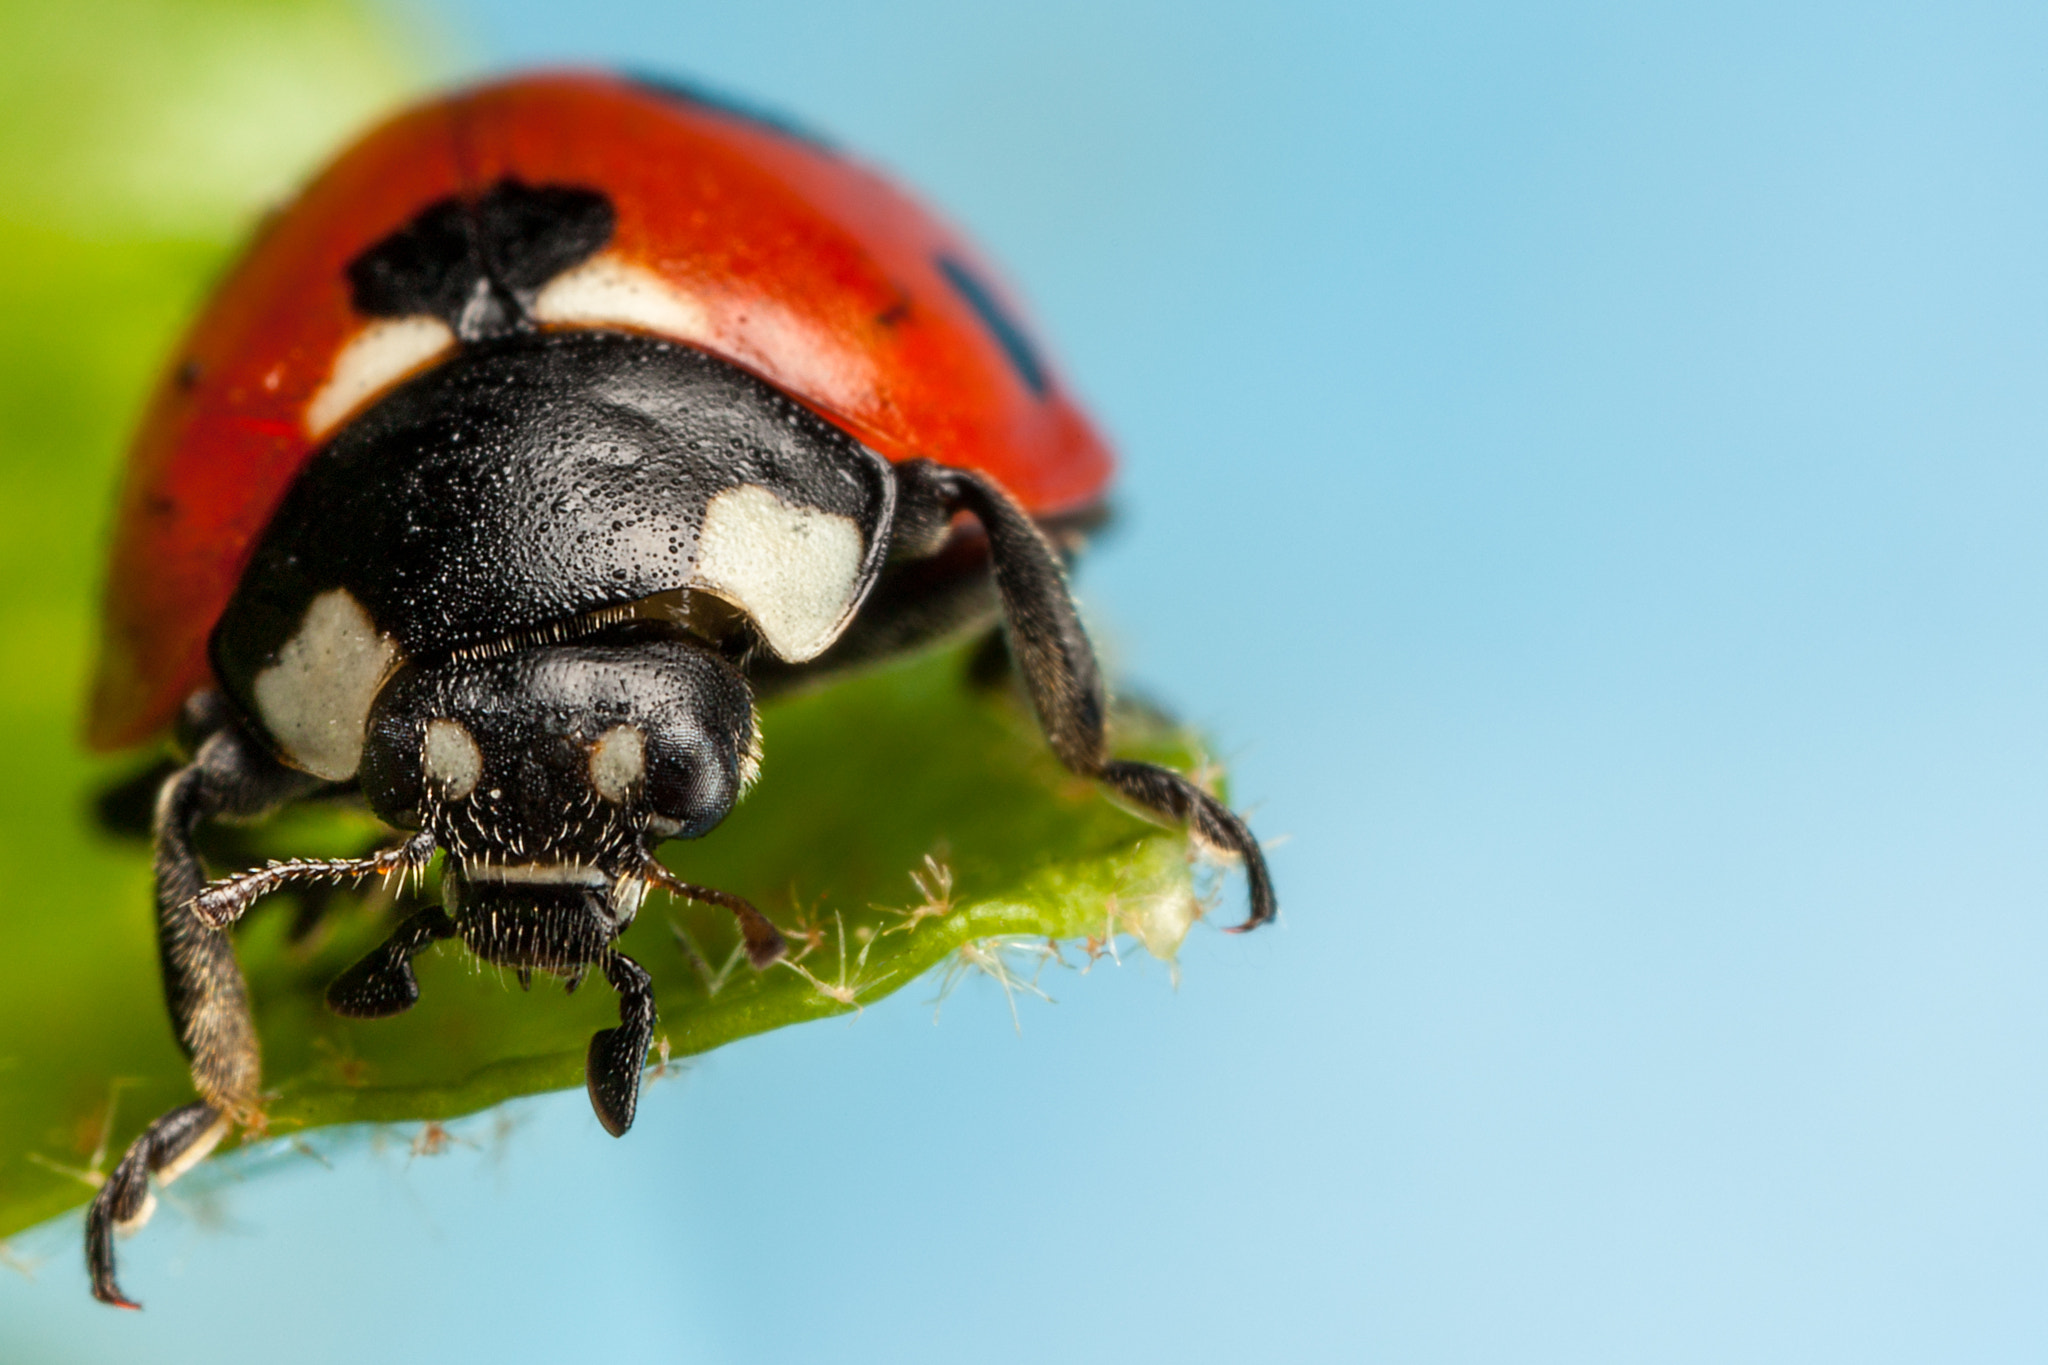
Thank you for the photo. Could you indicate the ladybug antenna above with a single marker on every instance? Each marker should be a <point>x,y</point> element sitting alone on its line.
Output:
<point>764,940</point>
<point>228,899</point>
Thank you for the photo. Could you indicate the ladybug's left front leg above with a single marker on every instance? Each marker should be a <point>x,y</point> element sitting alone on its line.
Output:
<point>231,777</point>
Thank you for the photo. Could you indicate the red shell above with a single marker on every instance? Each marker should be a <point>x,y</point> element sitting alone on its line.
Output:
<point>814,273</point>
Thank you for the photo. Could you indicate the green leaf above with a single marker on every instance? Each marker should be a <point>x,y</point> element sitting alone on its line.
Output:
<point>904,822</point>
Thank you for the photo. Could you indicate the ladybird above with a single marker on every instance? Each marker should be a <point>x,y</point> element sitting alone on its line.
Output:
<point>556,422</point>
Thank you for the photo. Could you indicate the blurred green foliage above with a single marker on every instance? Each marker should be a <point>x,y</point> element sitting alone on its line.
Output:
<point>136,142</point>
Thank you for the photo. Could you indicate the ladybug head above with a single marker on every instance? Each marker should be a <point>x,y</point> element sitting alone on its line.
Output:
<point>550,771</point>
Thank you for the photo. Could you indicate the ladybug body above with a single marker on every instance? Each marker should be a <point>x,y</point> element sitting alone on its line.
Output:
<point>556,422</point>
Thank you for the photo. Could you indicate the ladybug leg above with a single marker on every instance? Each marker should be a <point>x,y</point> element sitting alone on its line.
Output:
<point>383,983</point>
<point>618,1055</point>
<point>124,1202</point>
<point>1058,663</point>
<point>229,777</point>
<point>990,665</point>
<point>126,807</point>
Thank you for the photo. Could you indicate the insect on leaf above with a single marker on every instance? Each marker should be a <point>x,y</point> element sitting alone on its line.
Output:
<point>906,822</point>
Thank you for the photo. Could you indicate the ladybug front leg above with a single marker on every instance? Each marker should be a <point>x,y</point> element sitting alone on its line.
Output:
<point>124,1202</point>
<point>1058,664</point>
<point>229,777</point>
<point>383,983</point>
<point>612,1068</point>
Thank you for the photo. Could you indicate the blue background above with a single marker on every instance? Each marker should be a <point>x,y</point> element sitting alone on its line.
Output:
<point>1586,469</point>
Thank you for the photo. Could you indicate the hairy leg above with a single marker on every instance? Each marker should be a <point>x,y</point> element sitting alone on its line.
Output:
<point>229,777</point>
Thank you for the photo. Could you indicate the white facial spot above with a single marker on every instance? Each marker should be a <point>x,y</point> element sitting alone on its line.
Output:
<point>605,291</point>
<point>617,762</point>
<point>795,570</point>
<point>374,359</point>
<point>316,698</point>
<point>538,874</point>
<point>451,759</point>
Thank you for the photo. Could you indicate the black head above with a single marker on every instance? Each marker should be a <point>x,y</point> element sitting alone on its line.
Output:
<point>549,772</point>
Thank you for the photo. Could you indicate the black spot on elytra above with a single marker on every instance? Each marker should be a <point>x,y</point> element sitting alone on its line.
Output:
<point>895,313</point>
<point>477,263</point>
<point>1016,345</point>
<point>733,106</point>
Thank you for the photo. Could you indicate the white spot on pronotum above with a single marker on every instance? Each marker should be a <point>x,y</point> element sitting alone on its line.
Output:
<point>617,762</point>
<point>795,570</point>
<point>315,699</point>
<point>374,359</point>
<point>606,291</point>
<point>451,759</point>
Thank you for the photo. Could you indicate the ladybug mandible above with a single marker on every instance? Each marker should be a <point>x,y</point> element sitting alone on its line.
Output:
<point>551,423</point>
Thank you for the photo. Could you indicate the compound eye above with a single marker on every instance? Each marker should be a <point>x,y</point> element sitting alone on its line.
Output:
<point>690,787</point>
<point>451,759</point>
<point>618,763</point>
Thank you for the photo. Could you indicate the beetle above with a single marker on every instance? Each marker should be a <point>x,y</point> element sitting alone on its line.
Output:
<point>550,425</point>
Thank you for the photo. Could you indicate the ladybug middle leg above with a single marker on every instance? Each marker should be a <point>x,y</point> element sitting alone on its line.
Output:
<point>1057,661</point>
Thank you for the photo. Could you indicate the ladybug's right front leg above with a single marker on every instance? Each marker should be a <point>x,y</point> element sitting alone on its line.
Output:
<point>230,777</point>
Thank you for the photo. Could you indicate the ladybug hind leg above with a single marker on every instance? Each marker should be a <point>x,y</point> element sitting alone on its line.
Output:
<point>1053,653</point>
<point>230,777</point>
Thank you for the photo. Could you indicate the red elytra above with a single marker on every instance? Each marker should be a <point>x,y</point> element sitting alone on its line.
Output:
<point>808,269</point>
